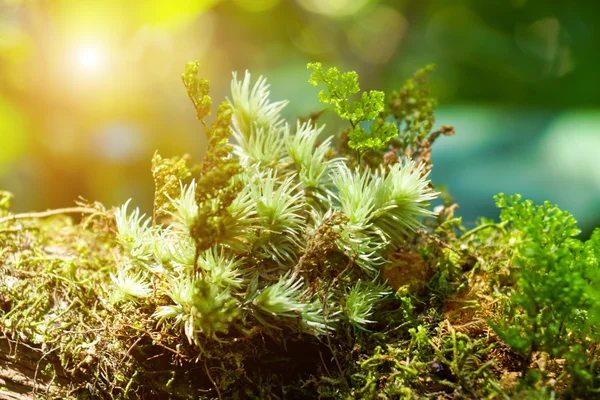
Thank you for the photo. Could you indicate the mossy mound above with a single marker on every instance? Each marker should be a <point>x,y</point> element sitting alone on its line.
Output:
<point>287,266</point>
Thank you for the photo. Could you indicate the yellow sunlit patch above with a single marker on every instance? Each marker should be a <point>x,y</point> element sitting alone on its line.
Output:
<point>333,8</point>
<point>256,5</point>
<point>90,58</point>
<point>13,133</point>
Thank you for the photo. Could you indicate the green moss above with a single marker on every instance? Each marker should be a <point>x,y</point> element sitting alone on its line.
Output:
<point>274,270</point>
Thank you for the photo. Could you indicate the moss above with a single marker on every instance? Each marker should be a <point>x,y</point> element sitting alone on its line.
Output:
<point>275,270</point>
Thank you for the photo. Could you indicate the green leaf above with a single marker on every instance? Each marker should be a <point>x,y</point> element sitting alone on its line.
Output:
<point>339,90</point>
<point>379,135</point>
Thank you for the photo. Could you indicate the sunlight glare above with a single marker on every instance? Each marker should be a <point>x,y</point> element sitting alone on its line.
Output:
<point>90,59</point>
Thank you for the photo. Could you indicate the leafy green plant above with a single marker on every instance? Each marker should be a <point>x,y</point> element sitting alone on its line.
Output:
<point>549,309</point>
<point>340,87</point>
<point>360,302</point>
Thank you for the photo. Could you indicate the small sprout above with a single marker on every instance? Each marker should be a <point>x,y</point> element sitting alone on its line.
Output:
<point>129,287</point>
<point>252,108</point>
<point>281,299</point>
<point>320,320</point>
<point>279,208</point>
<point>257,124</point>
<point>308,156</point>
<point>182,250</point>
<point>264,147</point>
<point>185,207</point>
<point>200,308</point>
<point>134,233</point>
<point>364,245</point>
<point>356,194</point>
<point>220,270</point>
<point>394,201</point>
<point>162,240</point>
<point>360,302</point>
<point>401,198</point>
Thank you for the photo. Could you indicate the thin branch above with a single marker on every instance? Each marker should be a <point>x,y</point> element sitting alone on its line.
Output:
<point>437,240</point>
<point>49,213</point>
<point>212,380</point>
<point>500,226</point>
<point>131,348</point>
<point>18,230</point>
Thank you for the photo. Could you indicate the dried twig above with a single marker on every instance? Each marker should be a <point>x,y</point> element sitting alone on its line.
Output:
<point>49,213</point>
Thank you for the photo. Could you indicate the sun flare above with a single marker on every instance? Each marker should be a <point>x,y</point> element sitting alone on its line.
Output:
<point>90,59</point>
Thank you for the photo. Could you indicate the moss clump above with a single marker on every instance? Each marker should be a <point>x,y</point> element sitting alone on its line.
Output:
<point>283,266</point>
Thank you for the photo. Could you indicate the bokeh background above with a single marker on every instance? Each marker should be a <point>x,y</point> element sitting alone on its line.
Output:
<point>90,89</point>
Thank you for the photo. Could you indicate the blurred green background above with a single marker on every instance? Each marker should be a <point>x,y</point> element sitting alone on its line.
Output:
<point>90,89</point>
